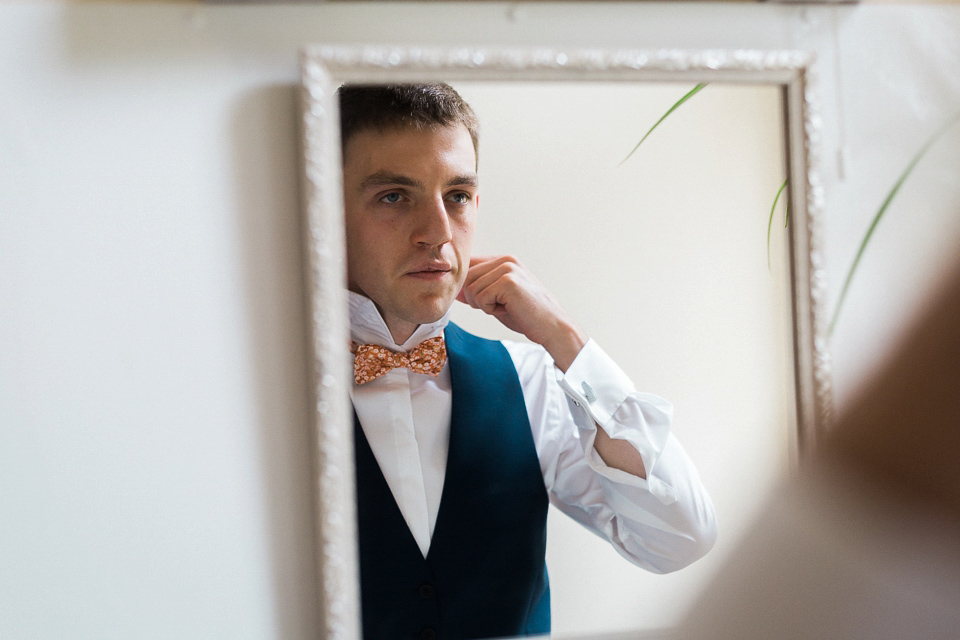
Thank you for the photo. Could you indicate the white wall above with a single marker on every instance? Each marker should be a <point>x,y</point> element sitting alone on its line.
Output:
<point>153,449</point>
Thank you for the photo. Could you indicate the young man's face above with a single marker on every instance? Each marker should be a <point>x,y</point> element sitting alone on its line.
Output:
<point>411,205</point>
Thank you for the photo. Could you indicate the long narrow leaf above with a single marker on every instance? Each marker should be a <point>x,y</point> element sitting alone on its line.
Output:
<point>883,208</point>
<point>664,116</point>
<point>776,199</point>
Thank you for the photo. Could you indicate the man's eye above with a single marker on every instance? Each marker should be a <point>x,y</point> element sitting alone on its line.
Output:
<point>461,198</point>
<point>391,198</point>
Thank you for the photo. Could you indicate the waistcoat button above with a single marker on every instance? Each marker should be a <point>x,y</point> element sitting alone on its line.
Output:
<point>426,591</point>
<point>428,633</point>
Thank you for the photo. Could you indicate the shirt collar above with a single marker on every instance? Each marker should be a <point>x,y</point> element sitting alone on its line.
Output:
<point>368,327</point>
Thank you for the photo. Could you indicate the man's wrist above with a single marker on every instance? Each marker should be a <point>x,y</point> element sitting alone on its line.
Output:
<point>565,344</point>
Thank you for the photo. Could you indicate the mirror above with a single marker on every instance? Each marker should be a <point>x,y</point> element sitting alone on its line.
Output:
<point>661,259</point>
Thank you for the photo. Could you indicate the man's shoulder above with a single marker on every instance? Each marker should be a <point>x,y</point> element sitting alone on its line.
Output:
<point>455,332</point>
<point>525,355</point>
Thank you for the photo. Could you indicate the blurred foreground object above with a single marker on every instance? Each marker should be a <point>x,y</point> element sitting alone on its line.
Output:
<point>866,542</point>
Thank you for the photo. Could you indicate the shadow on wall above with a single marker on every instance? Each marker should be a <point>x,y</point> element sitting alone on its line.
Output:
<point>264,135</point>
<point>174,33</point>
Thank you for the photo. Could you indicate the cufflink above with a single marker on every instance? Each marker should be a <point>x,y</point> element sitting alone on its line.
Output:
<point>588,392</point>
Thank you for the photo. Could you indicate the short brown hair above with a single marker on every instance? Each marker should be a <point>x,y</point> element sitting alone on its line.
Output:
<point>381,107</point>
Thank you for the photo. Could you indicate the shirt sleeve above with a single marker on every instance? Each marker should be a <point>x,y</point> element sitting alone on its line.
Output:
<point>662,522</point>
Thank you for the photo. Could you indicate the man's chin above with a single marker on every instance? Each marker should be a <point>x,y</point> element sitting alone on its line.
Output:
<point>433,314</point>
<point>432,308</point>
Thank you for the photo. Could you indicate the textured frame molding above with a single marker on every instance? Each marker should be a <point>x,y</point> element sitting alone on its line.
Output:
<point>324,68</point>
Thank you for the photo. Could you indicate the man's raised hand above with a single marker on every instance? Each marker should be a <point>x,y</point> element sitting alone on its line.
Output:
<point>504,288</point>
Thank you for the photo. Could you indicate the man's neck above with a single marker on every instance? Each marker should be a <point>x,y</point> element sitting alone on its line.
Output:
<point>368,324</point>
<point>400,329</point>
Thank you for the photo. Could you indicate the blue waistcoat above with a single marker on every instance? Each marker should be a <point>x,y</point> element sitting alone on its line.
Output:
<point>485,575</point>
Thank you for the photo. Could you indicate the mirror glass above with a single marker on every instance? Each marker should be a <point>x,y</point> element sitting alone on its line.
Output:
<point>664,260</point>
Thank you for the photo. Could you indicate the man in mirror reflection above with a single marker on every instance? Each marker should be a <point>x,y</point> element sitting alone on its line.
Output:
<point>463,442</point>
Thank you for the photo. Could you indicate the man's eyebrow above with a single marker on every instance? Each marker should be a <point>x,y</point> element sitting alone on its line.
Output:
<point>381,178</point>
<point>465,180</point>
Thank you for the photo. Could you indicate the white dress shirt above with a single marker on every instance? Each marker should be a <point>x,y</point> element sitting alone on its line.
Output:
<point>661,523</point>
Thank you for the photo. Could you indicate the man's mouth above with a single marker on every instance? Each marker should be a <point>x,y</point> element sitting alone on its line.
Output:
<point>430,271</point>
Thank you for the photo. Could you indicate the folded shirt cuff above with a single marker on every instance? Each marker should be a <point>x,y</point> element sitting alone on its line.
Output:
<point>595,382</point>
<point>595,385</point>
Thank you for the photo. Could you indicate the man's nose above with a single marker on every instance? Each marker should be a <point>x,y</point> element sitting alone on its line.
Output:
<point>433,223</point>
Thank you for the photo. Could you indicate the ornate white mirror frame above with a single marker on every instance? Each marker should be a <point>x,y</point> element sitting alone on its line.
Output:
<point>324,68</point>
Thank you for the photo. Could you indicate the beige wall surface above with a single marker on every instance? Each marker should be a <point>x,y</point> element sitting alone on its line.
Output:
<point>154,459</point>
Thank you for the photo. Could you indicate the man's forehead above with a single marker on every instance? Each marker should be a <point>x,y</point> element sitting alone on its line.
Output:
<point>395,149</point>
<point>401,128</point>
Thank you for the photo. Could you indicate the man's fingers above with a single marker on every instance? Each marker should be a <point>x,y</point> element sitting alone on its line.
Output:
<point>493,297</point>
<point>480,265</point>
<point>493,288</point>
<point>475,260</point>
<point>484,280</point>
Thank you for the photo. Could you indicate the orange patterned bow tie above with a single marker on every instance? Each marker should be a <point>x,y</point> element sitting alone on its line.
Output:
<point>371,361</point>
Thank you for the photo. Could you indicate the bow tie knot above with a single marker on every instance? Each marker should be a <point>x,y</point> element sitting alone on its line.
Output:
<point>370,361</point>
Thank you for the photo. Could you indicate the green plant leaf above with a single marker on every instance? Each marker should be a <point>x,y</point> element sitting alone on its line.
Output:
<point>679,102</point>
<point>776,199</point>
<point>883,209</point>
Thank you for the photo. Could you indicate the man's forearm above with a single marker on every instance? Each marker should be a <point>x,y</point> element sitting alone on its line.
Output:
<point>619,454</point>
